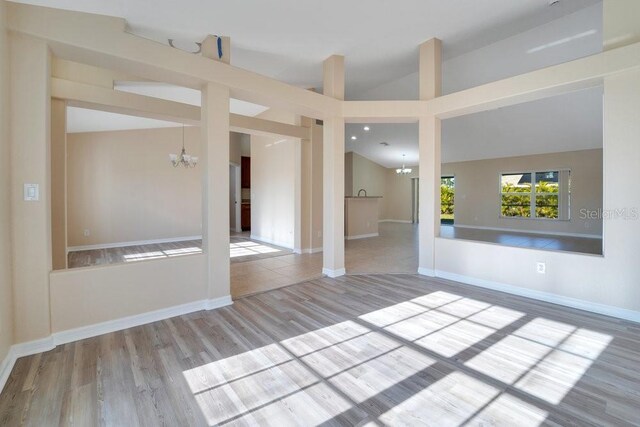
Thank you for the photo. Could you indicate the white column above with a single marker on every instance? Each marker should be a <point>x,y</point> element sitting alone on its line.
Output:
<point>429,227</point>
<point>59,183</point>
<point>30,130</point>
<point>333,173</point>
<point>215,190</point>
<point>429,141</point>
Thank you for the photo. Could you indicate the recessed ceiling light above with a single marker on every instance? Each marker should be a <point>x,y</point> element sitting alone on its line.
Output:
<point>353,137</point>
<point>366,128</point>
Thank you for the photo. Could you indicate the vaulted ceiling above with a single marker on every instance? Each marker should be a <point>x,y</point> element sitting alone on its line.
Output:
<point>289,39</point>
<point>483,40</point>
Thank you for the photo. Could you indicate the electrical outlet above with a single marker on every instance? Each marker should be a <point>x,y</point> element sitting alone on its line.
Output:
<point>86,232</point>
<point>319,233</point>
<point>541,268</point>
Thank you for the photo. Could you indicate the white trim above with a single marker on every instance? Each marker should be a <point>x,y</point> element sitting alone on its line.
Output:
<point>63,337</point>
<point>426,272</point>
<point>212,304</point>
<point>333,273</point>
<point>311,250</point>
<point>361,236</point>
<point>131,243</point>
<point>6,367</point>
<point>17,351</point>
<point>511,230</point>
<point>607,310</point>
<point>271,242</point>
<point>89,331</point>
<point>401,221</point>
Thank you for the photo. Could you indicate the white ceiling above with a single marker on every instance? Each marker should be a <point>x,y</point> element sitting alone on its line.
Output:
<point>483,40</point>
<point>84,120</point>
<point>563,123</point>
<point>289,39</point>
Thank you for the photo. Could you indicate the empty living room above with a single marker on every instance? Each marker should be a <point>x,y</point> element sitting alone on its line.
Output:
<point>362,213</point>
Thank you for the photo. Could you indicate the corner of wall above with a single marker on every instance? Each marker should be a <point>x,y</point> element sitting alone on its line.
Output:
<point>6,279</point>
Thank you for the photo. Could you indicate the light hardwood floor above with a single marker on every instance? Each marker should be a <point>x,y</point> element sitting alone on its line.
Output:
<point>547,242</point>
<point>241,248</point>
<point>358,350</point>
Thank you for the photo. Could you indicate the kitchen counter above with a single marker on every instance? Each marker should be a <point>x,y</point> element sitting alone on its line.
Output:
<point>363,197</point>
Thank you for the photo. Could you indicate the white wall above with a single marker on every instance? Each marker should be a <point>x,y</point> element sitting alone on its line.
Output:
<point>6,312</point>
<point>398,199</point>
<point>273,185</point>
<point>569,37</point>
<point>30,163</point>
<point>122,188</point>
<point>86,296</point>
<point>477,202</point>
<point>608,283</point>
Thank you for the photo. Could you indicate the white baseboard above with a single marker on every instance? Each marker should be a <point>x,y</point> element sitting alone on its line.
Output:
<point>511,230</point>
<point>592,307</point>
<point>271,242</point>
<point>45,344</point>
<point>361,236</point>
<point>131,243</point>
<point>5,368</point>
<point>334,273</point>
<point>311,250</point>
<point>400,221</point>
<point>17,351</point>
<point>307,250</point>
<point>426,272</point>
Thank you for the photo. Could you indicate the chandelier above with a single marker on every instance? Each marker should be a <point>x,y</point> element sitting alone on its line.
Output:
<point>183,159</point>
<point>403,170</point>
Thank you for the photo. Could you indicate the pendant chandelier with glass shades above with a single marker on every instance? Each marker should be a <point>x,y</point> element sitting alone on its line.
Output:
<point>403,170</point>
<point>183,159</point>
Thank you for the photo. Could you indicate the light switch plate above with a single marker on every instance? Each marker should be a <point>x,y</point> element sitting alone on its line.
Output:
<point>31,192</point>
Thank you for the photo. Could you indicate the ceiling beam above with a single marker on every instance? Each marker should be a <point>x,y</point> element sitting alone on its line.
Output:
<point>558,79</point>
<point>383,111</point>
<point>83,95</point>
<point>102,42</point>
<point>77,72</point>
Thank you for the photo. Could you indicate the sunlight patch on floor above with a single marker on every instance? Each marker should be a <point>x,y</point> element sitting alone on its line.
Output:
<point>250,248</point>
<point>379,359</point>
<point>167,253</point>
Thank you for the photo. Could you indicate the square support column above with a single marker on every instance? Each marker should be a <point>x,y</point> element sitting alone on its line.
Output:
<point>59,183</point>
<point>429,227</point>
<point>215,189</point>
<point>429,140</point>
<point>333,173</point>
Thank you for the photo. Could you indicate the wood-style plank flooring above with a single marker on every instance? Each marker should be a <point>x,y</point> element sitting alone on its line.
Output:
<point>545,242</point>
<point>241,247</point>
<point>357,350</point>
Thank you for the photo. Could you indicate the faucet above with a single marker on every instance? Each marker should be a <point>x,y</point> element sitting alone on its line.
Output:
<point>361,190</point>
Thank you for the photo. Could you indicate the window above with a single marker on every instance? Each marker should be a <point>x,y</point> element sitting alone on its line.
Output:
<point>447,195</point>
<point>546,197</point>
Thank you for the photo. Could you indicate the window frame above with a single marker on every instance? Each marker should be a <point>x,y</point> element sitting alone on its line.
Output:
<point>562,194</point>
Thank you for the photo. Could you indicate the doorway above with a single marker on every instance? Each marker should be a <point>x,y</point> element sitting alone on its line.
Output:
<point>415,200</point>
<point>234,198</point>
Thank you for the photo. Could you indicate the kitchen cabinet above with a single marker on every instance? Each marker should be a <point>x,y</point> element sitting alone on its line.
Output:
<point>245,172</point>
<point>245,216</point>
